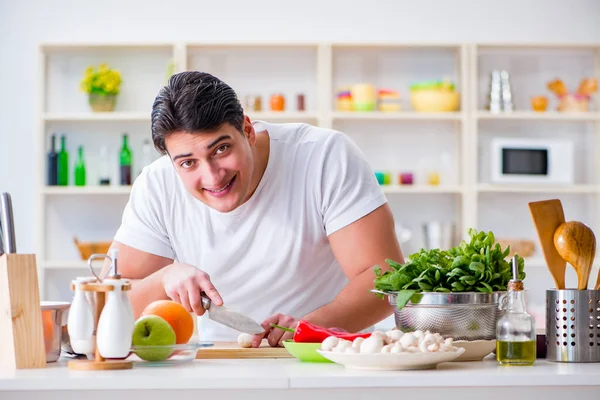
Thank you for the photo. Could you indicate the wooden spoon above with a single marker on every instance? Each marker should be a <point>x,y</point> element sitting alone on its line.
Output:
<point>576,243</point>
<point>547,215</point>
<point>597,287</point>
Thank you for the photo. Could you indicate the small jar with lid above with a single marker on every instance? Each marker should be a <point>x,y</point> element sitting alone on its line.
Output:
<point>277,102</point>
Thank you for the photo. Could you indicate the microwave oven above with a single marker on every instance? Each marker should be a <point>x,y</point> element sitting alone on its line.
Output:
<point>529,160</point>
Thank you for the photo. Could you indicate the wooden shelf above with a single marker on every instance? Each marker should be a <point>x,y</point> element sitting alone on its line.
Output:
<point>85,190</point>
<point>539,116</point>
<point>396,116</point>
<point>486,188</point>
<point>117,116</point>
<point>421,189</point>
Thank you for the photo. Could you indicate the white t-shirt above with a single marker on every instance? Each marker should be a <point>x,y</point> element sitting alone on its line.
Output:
<point>271,255</point>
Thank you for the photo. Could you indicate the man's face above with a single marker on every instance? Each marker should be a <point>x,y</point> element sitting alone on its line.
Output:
<point>215,167</point>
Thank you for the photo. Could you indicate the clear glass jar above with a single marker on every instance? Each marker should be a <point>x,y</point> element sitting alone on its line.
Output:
<point>515,330</point>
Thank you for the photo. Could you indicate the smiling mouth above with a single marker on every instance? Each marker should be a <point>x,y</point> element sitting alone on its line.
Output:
<point>223,188</point>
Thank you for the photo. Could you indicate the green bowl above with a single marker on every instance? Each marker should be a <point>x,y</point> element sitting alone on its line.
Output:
<point>306,352</point>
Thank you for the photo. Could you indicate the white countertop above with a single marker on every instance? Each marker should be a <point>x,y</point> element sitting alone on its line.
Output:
<point>292,374</point>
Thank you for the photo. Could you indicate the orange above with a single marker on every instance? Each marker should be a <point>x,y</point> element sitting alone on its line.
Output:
<point>176,315</point>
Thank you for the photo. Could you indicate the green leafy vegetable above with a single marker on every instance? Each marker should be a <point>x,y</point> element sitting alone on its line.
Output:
<point>478,265</point>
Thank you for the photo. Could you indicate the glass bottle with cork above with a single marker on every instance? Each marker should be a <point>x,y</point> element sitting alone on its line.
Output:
<point>515,330</point>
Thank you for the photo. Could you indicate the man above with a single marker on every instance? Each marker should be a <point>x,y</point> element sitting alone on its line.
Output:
<point>279,222</point>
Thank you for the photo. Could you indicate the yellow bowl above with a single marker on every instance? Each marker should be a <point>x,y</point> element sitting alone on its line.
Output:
<point>433,100</point>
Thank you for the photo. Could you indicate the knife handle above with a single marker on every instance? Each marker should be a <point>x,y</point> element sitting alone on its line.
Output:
<point>206,303</point>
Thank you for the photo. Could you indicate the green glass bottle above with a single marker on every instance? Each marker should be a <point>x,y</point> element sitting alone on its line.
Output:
<point>80,168</point>
<point>63,163</point>
<point>125,161</point>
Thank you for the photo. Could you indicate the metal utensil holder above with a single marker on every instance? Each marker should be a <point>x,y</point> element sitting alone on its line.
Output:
<point>573,325</point>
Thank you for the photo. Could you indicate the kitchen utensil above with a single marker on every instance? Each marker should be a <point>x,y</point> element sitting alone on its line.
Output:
<point>229,318</point>
<point>547,215</point>
<point>222,350</point>
<point>460,315</point>
<point>597,285</point>
<point>54,318</point>
<point>576,244</point>
<point>7,223</point>
<point>572,325</point>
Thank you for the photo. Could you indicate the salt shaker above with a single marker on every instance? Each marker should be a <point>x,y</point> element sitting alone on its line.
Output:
<point>80,323</point>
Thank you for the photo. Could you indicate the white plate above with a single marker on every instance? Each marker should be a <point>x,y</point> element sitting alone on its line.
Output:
<point>391,361</point>
<point>475,350</point>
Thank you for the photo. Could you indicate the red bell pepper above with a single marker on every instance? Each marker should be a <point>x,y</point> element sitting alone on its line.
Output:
<point>306,332</point>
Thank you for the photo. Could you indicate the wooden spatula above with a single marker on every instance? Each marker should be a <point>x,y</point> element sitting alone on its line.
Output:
<point>597,287</point>
<point>576,243</point>
<point>547,216</point>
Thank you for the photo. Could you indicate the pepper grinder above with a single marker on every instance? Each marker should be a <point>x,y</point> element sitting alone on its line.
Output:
<point>515,331</point>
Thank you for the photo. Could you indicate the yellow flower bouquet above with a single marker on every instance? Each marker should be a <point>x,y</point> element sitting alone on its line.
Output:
<point>102,85</point>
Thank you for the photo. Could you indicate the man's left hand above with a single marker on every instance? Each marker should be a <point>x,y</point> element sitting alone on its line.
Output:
<point>275,336</point>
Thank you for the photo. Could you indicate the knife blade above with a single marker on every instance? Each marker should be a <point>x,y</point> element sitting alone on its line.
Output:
<point>8,223</point>
<point>232,319</point>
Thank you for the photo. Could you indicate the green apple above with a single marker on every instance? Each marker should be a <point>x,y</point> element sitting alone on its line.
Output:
<point>150,331</point>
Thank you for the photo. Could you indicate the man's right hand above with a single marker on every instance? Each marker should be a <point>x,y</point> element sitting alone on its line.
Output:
<point>184,284</point>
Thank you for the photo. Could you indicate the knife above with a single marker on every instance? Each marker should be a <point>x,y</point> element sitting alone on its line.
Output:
<point>229,318</point>
<point>7,223</point>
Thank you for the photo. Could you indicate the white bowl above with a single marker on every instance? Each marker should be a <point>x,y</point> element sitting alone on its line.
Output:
<point>475,350</point>
<point>391,361</point>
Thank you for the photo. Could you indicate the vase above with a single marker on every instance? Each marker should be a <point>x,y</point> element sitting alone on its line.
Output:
<point>102,102</point>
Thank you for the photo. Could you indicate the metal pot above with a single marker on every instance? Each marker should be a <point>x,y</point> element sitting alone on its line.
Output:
<point>54,318</point>
<point>460,315</point>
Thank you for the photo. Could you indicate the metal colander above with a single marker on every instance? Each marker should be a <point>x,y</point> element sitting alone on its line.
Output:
<point>462,316</point>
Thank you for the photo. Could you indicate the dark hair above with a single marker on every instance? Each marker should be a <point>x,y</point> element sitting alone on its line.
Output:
<point>193,102</point>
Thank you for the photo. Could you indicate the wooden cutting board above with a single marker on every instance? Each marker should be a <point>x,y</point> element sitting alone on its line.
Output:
<point>233,350</point>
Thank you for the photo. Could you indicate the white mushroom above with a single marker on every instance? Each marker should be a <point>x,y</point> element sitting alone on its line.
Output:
<point>394,335</point>
<point>387,348</point>
<point>372,344</point>
<point>426,342</point>
<point>357,342</point>
<point>351,349</point>
<point>245,340</point>
<point>447,345</point>
<point>342,346</point>
<point>382,335</point>
<point>329,343</point>
<point>397,348</point>
<point>419,334</point>
<point>408,340</point>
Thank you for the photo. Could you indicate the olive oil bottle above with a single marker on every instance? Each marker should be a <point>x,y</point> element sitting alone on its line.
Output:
<point>515,331</point>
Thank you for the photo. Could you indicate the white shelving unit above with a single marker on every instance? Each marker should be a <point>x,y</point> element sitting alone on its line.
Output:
<point>393,142</point>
